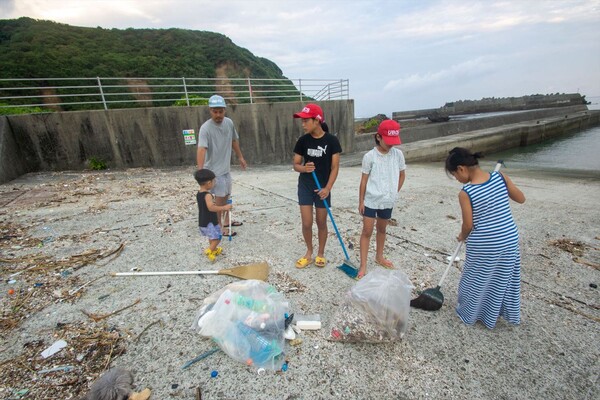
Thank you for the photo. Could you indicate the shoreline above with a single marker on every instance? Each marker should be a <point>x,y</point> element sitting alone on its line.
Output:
<point>152,213</point>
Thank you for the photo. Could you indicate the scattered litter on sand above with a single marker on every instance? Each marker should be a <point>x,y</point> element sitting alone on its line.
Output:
<point>62,233</point>
<point>66,374</point>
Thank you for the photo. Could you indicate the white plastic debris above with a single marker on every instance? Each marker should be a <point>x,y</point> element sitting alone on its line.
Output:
<point>308,322</point>
<point>55,348</point>
<point>289,333</point>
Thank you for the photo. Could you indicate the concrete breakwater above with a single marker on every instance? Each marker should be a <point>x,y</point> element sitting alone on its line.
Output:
<point>433,141</point>
<point>462,107</point>
<point>502,137</point>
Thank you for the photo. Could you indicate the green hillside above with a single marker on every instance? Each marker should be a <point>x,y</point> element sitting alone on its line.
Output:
<point>34,49</point>
<point>41,49</point>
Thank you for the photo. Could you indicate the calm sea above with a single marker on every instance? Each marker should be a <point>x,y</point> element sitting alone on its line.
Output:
<point>576,155</point>
<point>595,100</point>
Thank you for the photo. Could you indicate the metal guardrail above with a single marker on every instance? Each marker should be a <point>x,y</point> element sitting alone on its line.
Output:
<point>70,94</point>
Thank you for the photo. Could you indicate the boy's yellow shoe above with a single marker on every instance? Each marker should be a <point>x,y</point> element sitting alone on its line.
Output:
<point>217,251</point>
<point>212,254</point>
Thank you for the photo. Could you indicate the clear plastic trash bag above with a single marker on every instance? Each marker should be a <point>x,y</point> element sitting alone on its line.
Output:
<point>374,310</point>
<point>247,321</point>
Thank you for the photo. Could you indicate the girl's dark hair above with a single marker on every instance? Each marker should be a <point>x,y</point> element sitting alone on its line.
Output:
<point>324,127</point>
<point>204,175</point>
<point>461,156</point>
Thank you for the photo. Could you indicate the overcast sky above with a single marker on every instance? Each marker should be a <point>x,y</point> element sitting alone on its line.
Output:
<point>398,55</point>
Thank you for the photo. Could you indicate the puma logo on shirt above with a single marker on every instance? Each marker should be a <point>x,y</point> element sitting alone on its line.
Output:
<point>318,152</point>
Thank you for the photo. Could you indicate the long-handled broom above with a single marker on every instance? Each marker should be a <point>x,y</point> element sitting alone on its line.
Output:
<point>259,271</point>
<point>347,267</point>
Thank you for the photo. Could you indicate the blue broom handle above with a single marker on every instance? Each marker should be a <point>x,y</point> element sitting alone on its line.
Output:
<point>230,201</point>
<point>331,217</point>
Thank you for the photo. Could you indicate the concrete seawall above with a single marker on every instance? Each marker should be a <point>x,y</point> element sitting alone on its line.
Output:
<point>152,137</point>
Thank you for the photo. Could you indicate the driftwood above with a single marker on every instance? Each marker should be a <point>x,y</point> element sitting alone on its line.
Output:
<point>100,317</point>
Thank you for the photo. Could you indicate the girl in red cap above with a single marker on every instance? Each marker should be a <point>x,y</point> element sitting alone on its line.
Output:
<point>382,178</point>
<point>316,151</point>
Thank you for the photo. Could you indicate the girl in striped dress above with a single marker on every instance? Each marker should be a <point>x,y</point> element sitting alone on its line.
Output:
<point>490,284</point>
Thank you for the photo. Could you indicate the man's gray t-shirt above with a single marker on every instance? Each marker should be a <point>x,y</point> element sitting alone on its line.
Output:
<point>217,139</point>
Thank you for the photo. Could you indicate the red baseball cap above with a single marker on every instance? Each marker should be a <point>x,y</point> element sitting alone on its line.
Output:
<point>390,132</point>
<point>311,111</point>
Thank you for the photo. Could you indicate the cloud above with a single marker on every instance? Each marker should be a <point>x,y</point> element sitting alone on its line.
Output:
<point>92,13</point>
<point>463,71</point>
<point>397,53</point>
<point>7,7</point>
<point>440,19</point>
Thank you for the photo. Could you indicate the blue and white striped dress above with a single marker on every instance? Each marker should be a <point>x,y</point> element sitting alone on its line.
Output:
<point>490,285</point>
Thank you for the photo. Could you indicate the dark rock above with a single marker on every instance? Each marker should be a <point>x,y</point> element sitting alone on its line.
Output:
<point>438,116</point>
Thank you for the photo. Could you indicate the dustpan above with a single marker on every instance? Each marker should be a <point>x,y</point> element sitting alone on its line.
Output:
<point>432,299</point>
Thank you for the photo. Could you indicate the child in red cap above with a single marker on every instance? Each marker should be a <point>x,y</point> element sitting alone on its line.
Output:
<point>383,174</point>
<point>317,151</point>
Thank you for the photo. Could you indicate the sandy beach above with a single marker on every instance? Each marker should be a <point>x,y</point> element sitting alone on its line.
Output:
<point>64,232</point>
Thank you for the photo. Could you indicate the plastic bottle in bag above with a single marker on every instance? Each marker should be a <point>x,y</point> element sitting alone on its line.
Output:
<point>262,351</point>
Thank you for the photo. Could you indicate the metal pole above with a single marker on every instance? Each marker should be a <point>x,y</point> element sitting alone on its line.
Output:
<point>300,85</point>
<point>102,93</point>
<point>249,91</point>
<point>187,99</point>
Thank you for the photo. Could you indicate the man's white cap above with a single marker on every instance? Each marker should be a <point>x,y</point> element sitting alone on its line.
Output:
<point>216,101</point>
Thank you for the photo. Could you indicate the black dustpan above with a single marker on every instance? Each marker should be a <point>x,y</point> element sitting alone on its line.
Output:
<point>432,299</point>
<point>429,300</point>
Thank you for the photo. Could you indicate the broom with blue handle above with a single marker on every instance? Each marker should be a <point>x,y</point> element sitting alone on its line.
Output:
<point>230,201</point>
<point>347,267</point>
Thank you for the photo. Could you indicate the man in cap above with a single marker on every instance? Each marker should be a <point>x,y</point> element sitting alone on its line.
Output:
<point>216,139</point>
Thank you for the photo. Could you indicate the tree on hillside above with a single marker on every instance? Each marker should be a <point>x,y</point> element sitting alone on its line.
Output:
<point>44,49</point>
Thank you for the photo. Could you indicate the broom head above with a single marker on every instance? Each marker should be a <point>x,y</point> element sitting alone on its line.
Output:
<point>259,271</point>
<point>349,269</point>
